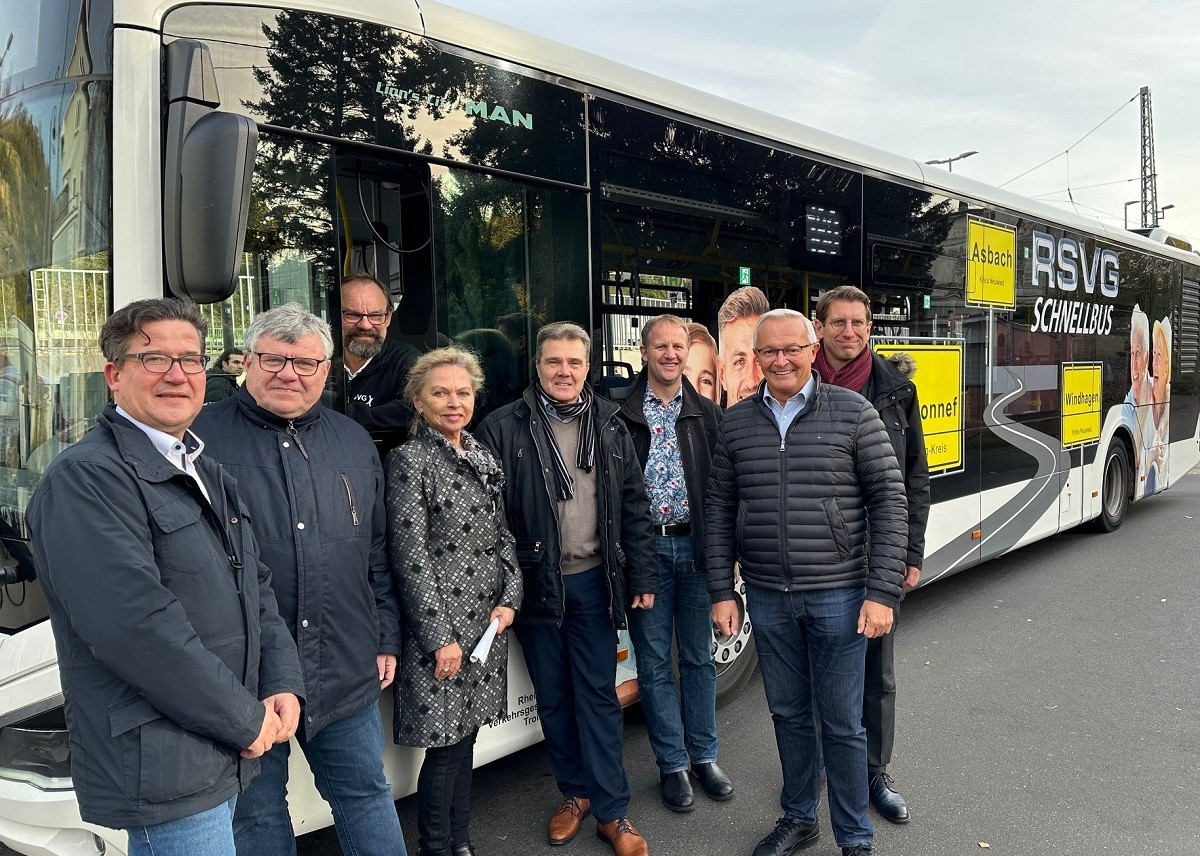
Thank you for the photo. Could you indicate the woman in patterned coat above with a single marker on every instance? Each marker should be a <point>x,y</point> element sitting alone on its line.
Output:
<point>456,569</point>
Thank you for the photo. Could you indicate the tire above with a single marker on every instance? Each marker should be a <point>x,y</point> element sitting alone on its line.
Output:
<point>736,656</point>
<point>1116,488</point>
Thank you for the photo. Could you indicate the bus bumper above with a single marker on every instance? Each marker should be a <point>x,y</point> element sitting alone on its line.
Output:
<point>46,823</point>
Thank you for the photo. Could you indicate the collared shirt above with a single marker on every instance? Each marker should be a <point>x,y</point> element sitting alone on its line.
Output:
<point>352,375</point>
<point>787,411</point>
<point>665,484</point>
<point>181,453</point>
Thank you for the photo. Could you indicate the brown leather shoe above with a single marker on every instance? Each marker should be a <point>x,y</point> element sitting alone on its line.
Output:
<point>624,839</point>
<point>567,819</point>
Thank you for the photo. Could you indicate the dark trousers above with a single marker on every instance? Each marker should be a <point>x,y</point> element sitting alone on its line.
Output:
<point>444,795</point>
<point>879,701</point>
<point>574,673</point>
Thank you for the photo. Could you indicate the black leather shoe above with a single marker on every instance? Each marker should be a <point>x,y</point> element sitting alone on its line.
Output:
<point>676,791</point>
<point>713,781</point>
<point>467,849</point>
<point>860,850</point>
<point>788,836</point>
<point>886,801</point>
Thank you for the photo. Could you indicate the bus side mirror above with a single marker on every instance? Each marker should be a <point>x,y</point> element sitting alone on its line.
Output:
<point>209,162</point>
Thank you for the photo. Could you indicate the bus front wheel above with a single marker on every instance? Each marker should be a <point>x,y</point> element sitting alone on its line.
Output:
<point>1116,488</point>
<point>735,656</point>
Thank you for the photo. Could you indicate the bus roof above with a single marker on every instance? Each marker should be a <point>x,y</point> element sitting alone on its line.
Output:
<point>447,24</point>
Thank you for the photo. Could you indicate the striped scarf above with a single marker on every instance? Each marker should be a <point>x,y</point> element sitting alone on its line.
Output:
<point>564,485</point>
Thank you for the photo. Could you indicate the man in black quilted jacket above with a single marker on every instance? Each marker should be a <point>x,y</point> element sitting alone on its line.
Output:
<point>806,494</point>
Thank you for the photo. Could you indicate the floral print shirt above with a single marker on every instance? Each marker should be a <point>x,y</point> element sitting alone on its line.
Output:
<point>665,485</point>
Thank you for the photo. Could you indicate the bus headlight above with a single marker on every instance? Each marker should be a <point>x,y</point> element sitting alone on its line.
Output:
<point>36,751</point>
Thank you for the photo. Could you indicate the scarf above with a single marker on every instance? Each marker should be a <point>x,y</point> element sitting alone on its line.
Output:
<point>474,455</point>
<point>853,376</point>
<point>564,485</point>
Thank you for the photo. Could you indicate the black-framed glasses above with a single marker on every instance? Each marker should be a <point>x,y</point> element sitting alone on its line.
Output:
<point>373,318</point>
<point>156,363</point>
<point>303,366</point>
<point>791,351</point>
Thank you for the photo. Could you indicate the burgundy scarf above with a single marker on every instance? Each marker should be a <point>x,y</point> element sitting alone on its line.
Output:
<point>854,375</point>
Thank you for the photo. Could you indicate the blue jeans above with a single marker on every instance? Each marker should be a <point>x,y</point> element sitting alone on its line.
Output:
<point>810,651</point>
<point>346,758</point>
<point>209,833</point>
<point>574,673</point>
<point>683,727</point>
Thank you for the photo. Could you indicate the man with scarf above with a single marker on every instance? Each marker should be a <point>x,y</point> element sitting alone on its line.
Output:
<point>576,505</point>
<point>845,359</point>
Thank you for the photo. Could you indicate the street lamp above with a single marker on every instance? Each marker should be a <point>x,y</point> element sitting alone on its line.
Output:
<point>1127,204</point>
<point>1162,212</point>
<point>949,162</point>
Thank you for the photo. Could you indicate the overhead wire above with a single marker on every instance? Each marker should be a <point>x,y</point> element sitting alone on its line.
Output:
<point>1073,145</point>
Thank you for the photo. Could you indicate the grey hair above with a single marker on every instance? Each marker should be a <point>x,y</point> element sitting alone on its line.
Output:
<point>790,315</point>
<point>418,375</point>
<point>563,331</point>
<point>1139,326</point>
<point>649,326</point>
<point>129,321</point>
<point>289,323</point>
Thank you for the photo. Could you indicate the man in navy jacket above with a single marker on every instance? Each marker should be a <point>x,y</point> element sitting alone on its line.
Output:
<point>176,669</point>
<point>316,484</point>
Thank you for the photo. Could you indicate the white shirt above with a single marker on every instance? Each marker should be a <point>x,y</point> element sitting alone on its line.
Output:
<point>181,453</point>
<point>352,375</point>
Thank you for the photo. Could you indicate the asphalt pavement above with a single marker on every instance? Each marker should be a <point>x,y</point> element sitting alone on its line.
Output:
<point>1049,704</point>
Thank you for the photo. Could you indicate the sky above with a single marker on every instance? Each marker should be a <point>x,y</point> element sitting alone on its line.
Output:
<point>1017,81</point>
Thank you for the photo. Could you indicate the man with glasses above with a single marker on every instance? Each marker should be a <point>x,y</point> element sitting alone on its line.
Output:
<point>376,368</point>
<point>846,360</point>
<point>176,669</point>
<point>314,486</point>
<point>805,491</point>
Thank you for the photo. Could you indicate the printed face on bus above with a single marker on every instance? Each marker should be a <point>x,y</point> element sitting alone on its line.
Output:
<point>740,372</point>
<point>365,316</point>
<point>287,390</point>
<point>169,401</point>
<point>1137,357</point>
<point>665,357</point>
<point>446,401</point>
<point>701,369</point>
<point>563,369</point>
<point>785,354</point>
<point>845,331</point>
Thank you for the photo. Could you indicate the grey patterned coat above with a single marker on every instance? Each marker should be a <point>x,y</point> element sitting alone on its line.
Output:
<point>454,561</point>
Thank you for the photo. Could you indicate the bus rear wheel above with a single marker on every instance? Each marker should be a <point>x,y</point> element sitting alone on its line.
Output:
<point>1115,489</point>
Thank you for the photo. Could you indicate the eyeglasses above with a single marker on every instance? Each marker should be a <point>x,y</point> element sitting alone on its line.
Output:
<point>839,324</point>
<point>374,318</point>
<point>303,366</point>
<point>161,363</point>
<point>791,351</point>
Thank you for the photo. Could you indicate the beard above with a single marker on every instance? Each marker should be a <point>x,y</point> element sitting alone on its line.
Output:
<point>363,350</point>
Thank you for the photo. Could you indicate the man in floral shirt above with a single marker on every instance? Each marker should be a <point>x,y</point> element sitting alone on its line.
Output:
<point>674,431</point>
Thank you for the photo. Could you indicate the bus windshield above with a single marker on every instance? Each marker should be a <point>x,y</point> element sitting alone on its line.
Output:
<point>55,241</point>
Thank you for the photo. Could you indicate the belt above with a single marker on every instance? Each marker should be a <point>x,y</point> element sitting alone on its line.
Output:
<point>673,530</point>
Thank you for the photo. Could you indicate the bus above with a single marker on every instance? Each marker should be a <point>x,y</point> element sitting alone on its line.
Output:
<point>247,154</point>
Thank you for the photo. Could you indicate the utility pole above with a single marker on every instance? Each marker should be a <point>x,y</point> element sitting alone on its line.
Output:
<point>1150,209</point>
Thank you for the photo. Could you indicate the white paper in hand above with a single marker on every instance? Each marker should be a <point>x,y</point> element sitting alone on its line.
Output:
<point>480,654</point>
